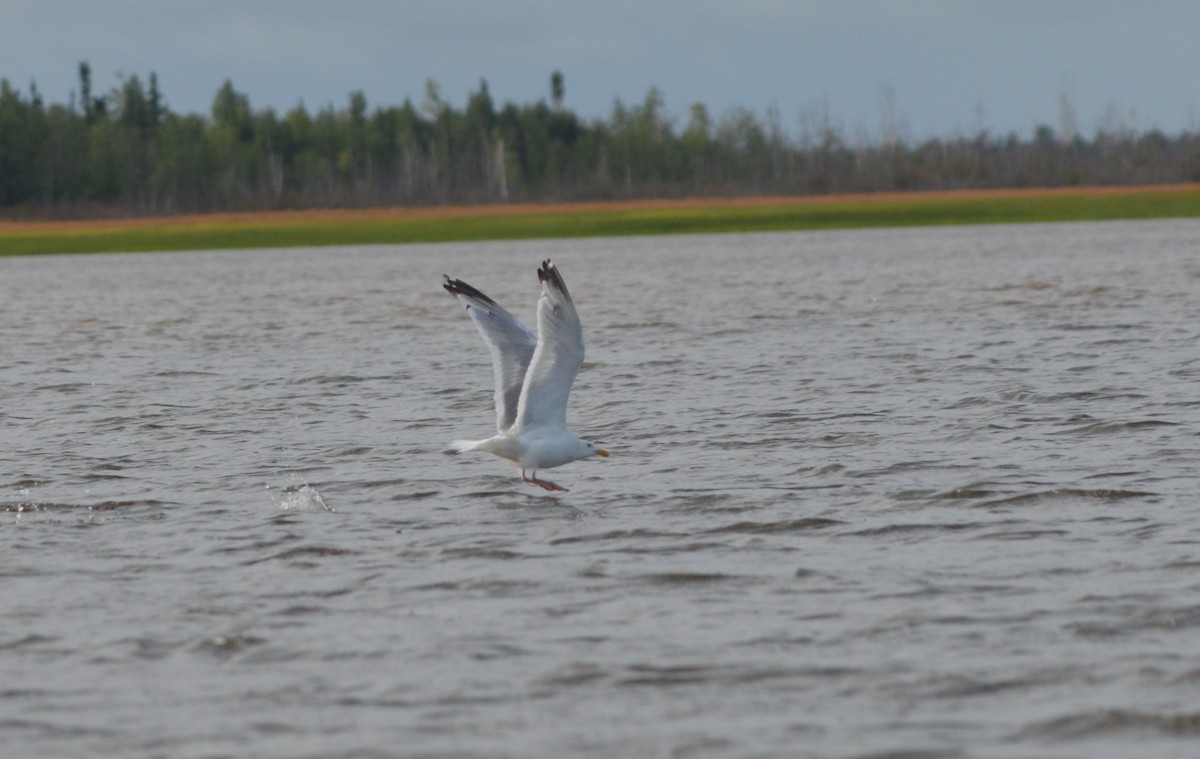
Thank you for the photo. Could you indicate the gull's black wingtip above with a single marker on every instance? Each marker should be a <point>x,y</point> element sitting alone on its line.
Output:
<point>458,287</point>
<point>549,273</point>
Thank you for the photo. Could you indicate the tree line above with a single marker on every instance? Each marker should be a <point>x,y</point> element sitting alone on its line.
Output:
<point>126,152</point>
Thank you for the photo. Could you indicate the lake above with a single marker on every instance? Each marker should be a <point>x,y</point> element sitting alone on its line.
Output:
<point>905,492</point>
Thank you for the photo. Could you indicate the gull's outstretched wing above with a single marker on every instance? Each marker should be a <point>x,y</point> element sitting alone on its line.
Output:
<point>557,358</point>
<point>509,341</point>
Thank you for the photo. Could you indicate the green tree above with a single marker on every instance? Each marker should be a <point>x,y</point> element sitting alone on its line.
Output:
<point>231,138</point>
<point>137,120</point>
<point>698,145</point>
<point>16,147</point>
<point>557,90</point>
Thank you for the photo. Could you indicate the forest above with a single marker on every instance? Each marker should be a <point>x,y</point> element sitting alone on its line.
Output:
<point>124,153</point>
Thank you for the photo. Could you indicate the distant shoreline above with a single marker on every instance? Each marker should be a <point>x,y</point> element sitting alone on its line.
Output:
<point>596,218</point>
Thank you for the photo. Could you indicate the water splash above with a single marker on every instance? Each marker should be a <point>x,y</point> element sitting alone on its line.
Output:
<point>302,498</point>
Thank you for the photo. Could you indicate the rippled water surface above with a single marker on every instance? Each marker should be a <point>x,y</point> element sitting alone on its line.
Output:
<point>925,492</point>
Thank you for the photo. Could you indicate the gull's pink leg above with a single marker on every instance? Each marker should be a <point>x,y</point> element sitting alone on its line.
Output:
<point>546,484</point>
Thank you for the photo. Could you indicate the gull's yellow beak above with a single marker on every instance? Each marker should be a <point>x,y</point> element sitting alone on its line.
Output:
<point>602,452</point>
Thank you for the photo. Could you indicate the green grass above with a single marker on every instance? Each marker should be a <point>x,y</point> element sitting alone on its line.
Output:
<point>889,211</point>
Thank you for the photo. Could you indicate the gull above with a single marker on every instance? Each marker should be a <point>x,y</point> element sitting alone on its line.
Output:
<point>533,377</point>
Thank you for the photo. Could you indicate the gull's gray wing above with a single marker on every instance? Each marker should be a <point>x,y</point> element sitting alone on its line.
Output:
<point>557,358</point>
<point>509,341</point>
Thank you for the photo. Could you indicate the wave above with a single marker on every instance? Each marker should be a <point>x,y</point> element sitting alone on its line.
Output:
<point>19,507</point>
<point>1108,721</point>
<point>1055,494</point>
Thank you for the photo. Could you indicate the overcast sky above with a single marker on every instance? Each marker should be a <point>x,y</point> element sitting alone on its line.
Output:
<point>951,66</point>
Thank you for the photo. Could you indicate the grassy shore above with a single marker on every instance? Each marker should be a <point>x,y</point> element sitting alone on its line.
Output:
<point>523,221</point>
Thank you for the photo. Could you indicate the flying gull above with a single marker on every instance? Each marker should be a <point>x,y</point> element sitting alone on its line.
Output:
<point>533,377</point>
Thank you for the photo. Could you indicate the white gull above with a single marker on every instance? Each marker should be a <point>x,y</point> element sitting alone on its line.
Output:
<point>533,377</point>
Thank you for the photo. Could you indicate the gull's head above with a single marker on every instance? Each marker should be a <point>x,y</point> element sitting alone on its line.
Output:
<point>591,449</point>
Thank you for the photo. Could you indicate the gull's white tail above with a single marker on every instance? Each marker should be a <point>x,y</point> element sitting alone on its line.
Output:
<point>503,446</point>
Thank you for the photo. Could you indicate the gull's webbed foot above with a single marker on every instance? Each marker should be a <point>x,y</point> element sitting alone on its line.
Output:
<point>545,484</point>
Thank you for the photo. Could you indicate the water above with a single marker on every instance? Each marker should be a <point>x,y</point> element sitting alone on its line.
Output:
<point>923,492</point>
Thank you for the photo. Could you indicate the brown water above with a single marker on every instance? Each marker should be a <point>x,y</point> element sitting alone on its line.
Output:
<point>926,492</point>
